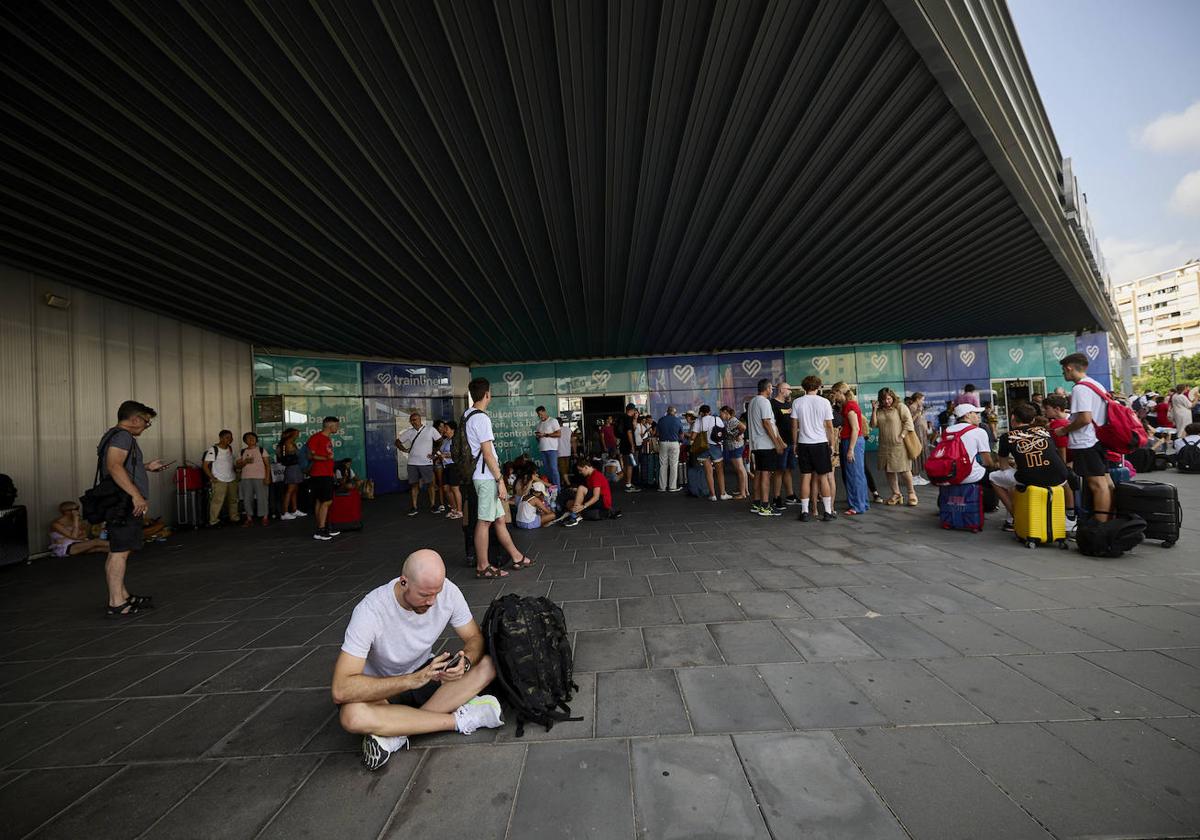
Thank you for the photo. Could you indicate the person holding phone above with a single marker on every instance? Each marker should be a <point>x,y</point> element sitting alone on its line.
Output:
<point>387,681</point>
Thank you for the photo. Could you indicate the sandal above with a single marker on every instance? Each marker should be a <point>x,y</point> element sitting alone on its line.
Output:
<point>894,500</point>
<point>490,572</point>
<point>523,563</point>
<point>142,602</point>
<point>126,610</point>
<point>912,500</point>
<point>851,512</point>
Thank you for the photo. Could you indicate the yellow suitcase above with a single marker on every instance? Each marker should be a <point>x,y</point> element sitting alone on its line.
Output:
<point>1040,515</point>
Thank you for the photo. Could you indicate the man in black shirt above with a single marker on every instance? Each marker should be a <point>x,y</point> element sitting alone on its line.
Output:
<point>625,443</point>
<point>1030,457</point>
<point>781,406</point>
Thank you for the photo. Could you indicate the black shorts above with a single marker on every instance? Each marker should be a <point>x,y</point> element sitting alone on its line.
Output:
<point>125,535</point>
<point>322,487</point>
<point>766,460</point>
<point>451,475</point>
<point>416,697</point>
<point>814,458</point>
<point>1089,462</point>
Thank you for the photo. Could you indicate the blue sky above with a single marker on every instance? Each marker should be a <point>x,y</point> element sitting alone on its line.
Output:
<point>1120,80</point>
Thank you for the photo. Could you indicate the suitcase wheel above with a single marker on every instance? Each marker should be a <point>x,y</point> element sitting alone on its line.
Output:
<point>1064,545</point>
<point>1168,543</point>
<point>1031,543</point>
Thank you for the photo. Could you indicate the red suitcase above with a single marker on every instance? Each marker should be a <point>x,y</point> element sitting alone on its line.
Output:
<point>345,514</point>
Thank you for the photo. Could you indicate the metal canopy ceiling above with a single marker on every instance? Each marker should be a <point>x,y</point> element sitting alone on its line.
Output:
<point>472,181</point>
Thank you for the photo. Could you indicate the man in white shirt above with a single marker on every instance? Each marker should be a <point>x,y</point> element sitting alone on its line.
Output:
<point>1088,410</point>
<point>387,680</point>
<point>221,466</point>
<point>548,432</point>
<point>564,450</point>
<point>975,441</point>
<point>816,443</point>
<point>419,442</point>
<point>766,445</point>
<point>713,459</point>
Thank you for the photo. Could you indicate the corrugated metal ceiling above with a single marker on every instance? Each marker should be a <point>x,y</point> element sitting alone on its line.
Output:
<point>475,181</point>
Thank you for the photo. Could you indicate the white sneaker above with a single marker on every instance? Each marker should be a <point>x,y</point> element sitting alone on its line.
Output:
<point>483,711</point>
<point>377,749</point>
<point>299,514</point>
<point>712,498</point>
<point>725,497</point>
<point>920,480</point>
<point>288,517</point>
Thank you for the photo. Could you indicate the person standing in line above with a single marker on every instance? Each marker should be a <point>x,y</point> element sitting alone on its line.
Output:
<point>419,442</point>
<point>670,427</point>
<point>548,433</point>
<point>713,457</point>
<point>766,446</point>
<point>921,426</point>
<point>491,491</point>
<point>608,437</point>
<point>120,458</point>
<point>1088,456</point>
<point>627,443</point>
<point>566,441</point>
<point>816,445</point>
<point>451,478</point>
<point>320,453</point>
<point>254,488</point>
<point>220,465</point>
<point>969,396</point>
<point>853,450</point>
<point>735,442</point>
<point>782,490</point>
<point>1181,408</point>
<point>894,421</point>
<point>287,453</point>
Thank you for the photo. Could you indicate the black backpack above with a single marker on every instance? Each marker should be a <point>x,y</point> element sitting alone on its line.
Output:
<point>1142,460</point>
<point>1109,539</point>
<point>460,450</point>
<point>8,491</point>
<point>1187,459</point>
<point>528,641</point>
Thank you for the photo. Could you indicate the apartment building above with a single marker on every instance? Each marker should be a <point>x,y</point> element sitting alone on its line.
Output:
<point>1161,312</point>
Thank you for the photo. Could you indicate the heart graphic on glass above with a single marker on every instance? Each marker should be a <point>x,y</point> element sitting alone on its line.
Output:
<point>1093,351</point>
<point>310,375</point>
<point>684,373</point>
<point>821,363</point>
<point>601,377</point>
<point>925,360</point>
<point>752,367</point>
<point>1060,352</point>
<point>879,361</point>
<point>384,377</point>
<point>967,356</point>
<point>1016,354</point>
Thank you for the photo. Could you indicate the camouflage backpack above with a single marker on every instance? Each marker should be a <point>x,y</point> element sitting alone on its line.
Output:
<point>528,641</point>
<point>460,450</point>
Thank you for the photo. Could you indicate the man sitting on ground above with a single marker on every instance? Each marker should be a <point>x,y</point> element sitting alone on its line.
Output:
<point>1030,458</point>
<point>387,681</point>
<point>593,501</point>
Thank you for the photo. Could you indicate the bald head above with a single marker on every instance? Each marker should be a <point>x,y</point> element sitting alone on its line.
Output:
<point>424,569</point>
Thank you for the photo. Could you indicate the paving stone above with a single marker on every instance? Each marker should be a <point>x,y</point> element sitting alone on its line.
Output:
<point>729,699</point>
<point>49,721</point>
<point>1145,759</point>
<point>591,555</point>
<point>639,703</point>
<point>701,609</point>
<point>1074,593</point>
<point>826,640</point>
<point>816,696</point>
<point>757,605</point>
<point>641,612</point>
<point>693,788</point>
<point>1184,730</point>
<point>680,583</point>
<point>1190,656</point>
<point>190,734</point>
<point>1001,692</point>
<point>969,635</point>
<point>51,679</point>
<point>35,797</point>
<point>1092,688</point>
<point>128,803</point>
<point>624,587</point>
<point>608,568</point>
<point>313,671</point>
<point>1128,589</point>
<point>583,705</point>
<point>1183,626</point>
<point>897,638</point>
<point>834,801</point>
<point>1062,790</point>
<point>675,550</point>
<point>1008,595</point>
<point>747,559</point>
<point>930,803</point>
<point>581,589</point>
<point>107,644</point>
<point>825,576</point>
<point>609,650</point>
<point>1172,679</point>
<point>424,812</point>
<point>236,635</point>
<point>1181,589</point>
<point>111,680</point>
<point>182,674</point>
<point>174,639</point>
<point>262,786</point>
<point>652,566</point>
<point>827,603</point>
<point>252,670</point>
<point>727,580</point>
<point>1043,633</point>
<point>696,562</point>
<point>888,600</point>
<point>557,571</point>
<point>946,598</point>
<point>884,574</point>
<point>590,615</point>
<point>107,733</point>
<point>908,694</point>
<point>744,643</point>
<point>777,579</point>
<point>575,789</point>
<point>282,726</point>
<point>681,646</point>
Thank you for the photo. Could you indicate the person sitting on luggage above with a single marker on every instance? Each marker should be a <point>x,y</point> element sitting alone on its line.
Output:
<point>975,441</point>
<point>69,535</point>
<point>532,510</point>
<point>344,477</point>
<point>593,501</point>
<point>1029,457</point>
<point>387,681</point>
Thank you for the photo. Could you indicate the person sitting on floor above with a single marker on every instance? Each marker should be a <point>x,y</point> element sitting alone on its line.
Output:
<point>593,501</point>
<point>532,510</point>
<point>387,681</point>
<point>69,535</point>
<point>344,477</point>
<point>1030,457</point>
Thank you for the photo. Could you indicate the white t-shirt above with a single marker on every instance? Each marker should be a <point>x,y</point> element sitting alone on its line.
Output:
<point>420,445</point>
<point>1181,442</point>
<point>479,429</point>
<point>974,441</point>
<point>706,424</point>
<point>526,512</point>
<point>760,409</point>
<point>222,463</point>
<point>811,411</point>
<point>548,426</point>
<point>1084,398</point>
<point>564,443</point>
<point>396,641</point>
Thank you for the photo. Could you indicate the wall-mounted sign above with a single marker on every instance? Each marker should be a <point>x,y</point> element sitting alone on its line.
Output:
<point>404,380</point>
<point>305,376</point>
<point>268,410</point>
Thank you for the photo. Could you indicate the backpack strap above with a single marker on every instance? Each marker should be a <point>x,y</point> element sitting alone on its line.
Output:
<point>102,451</point>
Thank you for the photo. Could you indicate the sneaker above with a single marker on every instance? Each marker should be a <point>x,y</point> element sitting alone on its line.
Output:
<point>616,514</point>
<point>804,516</point>
<point>439,509</point>
<point>571,521</point>
<point>712,498</point>
<point>675,490</point>
<point>322,535</point>
<point>920,480</point>
<point>725,497</point>
<point>1007,526</point>
<point>758,510</point>
<point>299,514</point>
<point>792,500</point>
<point>377,749</point>
<point>483,711</point>
<point>776,510</point>
<point>828,516</point>
<point>629,488</point>
<point>413,512</point>
<point>331,532</point>
<point>287,517</point>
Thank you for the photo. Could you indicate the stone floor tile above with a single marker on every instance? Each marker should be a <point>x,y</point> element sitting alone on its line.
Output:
<point>729,699</point>
<point>745,643</point>
<point>1064,791</point>
<point>607,568</point>
<point>1074,593</point>
<point>727,580</point>
<point>1190,656</point>
<point>424,812</point>
<point>590,615</point>
<point>930,803</point>
<point>48,721</point>
<point>174,639</point>
<point>609,650</point>
<point>680,583</point>
<point>281,726</point>
<point>624,587</point>
<point>1008,595</point>
<point>107,733</point>
<point>35,797</point>
<point>652,566</point>
<point>761,604</point>
<point>1161,674</point>
<point>252,670</point>
<point>1093,688</point>
<point>236,635</point>
<point>826,640</point>
<point>908,694</point>
<point>969,635</point>
<point>894,637</point>
<point>581,589</point>
<point>816,696</point>
<point>825,576</point>
<point>888,600</point>
<point>583,706</point>
<point>834,802</point>
<point>1129,589</point>
<point>107,681</point>
<point>641,612</point>
<point>691,788</point>
<point>679,646</point>
<point>701,609</point>
<point>313,671</point>
<point>696,562</point>
<point>575,789</point>
<point>1115,629</point>
<point>1001,692</point>
<point>776,579</point>
<point>639,703</point>
<point>1184,730</point>
<point>190,734</point>
<point>183,674</point>
<point>827,603</point>
<point>1184,626</point>
<point>1043,633</point>
<point>885,574</point>
<point>556,571</point>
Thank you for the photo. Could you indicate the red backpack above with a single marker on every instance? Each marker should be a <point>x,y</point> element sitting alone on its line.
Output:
<point>1122,431</point>
<point>949,462</point>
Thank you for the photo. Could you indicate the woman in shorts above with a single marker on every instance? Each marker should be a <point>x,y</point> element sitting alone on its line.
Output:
<point>451,477</point>
<point>532,510</point>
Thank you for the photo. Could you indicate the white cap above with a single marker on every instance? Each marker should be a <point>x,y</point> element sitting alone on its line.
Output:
<point>963,409</point>
<point>538,487</point>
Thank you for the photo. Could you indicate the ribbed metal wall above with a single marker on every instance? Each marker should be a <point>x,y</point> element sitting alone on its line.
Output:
<point>64,372</point>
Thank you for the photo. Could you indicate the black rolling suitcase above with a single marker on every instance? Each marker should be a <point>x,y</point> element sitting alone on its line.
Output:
<point>1155,502</point>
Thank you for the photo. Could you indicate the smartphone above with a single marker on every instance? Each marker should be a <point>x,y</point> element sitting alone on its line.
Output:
<point>167,465</point>
<point>452,662</point>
